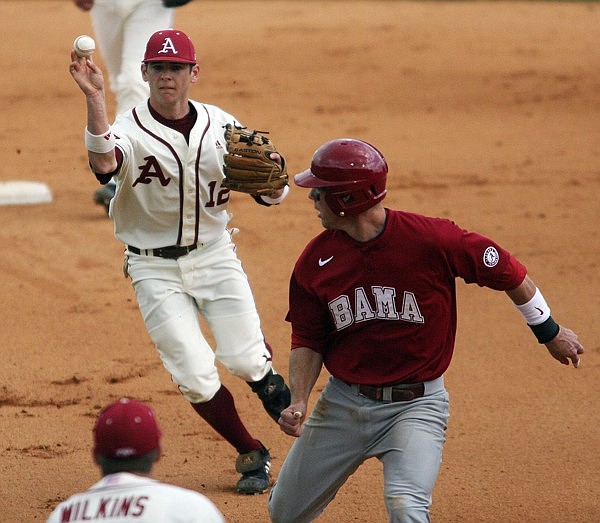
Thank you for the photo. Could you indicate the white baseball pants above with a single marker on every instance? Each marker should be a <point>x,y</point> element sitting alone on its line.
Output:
<point>212,282</point>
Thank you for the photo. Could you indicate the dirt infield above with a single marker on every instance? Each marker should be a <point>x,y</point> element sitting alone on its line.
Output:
<point>488,113</point>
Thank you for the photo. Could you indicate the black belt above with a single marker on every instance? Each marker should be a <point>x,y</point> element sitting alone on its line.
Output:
<point>392,393</point>
<point>171,252</point>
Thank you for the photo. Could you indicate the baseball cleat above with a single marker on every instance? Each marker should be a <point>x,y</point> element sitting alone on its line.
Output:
<point>254,467</point>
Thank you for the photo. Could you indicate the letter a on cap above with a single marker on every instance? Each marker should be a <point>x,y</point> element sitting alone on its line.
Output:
<point>168,45</point>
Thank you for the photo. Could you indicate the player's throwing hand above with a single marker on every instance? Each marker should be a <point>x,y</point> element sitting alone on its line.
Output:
<point>86,73</point>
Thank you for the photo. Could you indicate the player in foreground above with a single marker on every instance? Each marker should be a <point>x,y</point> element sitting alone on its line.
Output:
<point>373,299</point>
<point>170,210</point>
<point>126,447</point>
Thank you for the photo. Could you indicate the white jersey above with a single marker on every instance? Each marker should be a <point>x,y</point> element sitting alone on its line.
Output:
<point>168,191</point>
<point>125,497</point>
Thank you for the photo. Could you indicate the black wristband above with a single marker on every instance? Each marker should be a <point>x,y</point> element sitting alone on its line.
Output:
<point>546,331</point>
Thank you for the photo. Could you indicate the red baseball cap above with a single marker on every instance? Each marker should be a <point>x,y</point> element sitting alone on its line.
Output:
<point>126,429</point>
<point>170,45</point>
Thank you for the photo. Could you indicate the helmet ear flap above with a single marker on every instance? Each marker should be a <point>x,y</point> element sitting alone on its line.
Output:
<point>353,200</point>
<point>348,199</point>
<point>340,202</point>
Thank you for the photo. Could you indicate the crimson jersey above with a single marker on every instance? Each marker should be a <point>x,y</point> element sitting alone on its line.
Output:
<point>384,311</point>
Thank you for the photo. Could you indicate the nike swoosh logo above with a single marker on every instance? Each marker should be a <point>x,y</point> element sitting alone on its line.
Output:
<point>324,262</point>
<point>538,309</point>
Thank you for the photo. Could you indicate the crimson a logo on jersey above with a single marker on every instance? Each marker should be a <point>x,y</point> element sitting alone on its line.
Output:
<point>345,313</point>
<point>150,170</point>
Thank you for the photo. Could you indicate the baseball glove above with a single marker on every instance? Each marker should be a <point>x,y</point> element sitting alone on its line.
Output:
<point>248,165</point>
<point>174,3</point>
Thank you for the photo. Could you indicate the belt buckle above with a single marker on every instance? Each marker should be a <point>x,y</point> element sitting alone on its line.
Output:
<point>171,252</point>
<point>386,394</point>
<point>403,394</point>
<point>178,251</point>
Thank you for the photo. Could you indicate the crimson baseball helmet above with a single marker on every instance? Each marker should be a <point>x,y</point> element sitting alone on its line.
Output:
<point>126,429</point>
<point>353,172</point>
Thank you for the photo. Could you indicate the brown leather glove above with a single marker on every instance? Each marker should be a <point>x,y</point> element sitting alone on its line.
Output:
<point>249,167</point>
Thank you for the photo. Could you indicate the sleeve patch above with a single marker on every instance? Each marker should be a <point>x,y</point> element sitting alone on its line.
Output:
<point>491,257</point>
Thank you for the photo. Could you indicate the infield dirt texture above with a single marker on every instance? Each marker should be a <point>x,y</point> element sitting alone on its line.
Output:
<point>488,113</point>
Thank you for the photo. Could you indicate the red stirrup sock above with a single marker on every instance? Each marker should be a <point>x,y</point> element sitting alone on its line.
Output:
<point>220,413</point>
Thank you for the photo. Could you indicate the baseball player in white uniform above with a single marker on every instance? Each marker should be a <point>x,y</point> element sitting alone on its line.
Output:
<point>170,210</point>
<point>126,446</point>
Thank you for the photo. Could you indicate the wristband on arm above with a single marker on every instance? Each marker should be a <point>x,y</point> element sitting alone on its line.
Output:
<point>100,143</point>
<point>537,315</point>
<point>275,201</point>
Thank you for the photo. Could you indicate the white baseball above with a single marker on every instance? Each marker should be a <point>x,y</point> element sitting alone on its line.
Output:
<point>84,45</point>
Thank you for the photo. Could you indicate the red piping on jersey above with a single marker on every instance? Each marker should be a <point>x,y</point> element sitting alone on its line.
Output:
<point>180,165</point>
<point>197,174</point>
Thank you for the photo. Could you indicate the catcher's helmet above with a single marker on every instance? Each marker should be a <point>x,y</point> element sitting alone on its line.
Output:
<point>353,172</point>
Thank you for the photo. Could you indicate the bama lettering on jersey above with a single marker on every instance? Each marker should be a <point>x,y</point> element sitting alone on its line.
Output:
<point>108,507</point>
<point>344,312</point>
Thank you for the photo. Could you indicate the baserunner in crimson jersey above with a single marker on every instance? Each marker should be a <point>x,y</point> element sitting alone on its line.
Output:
<point>373,299</point>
